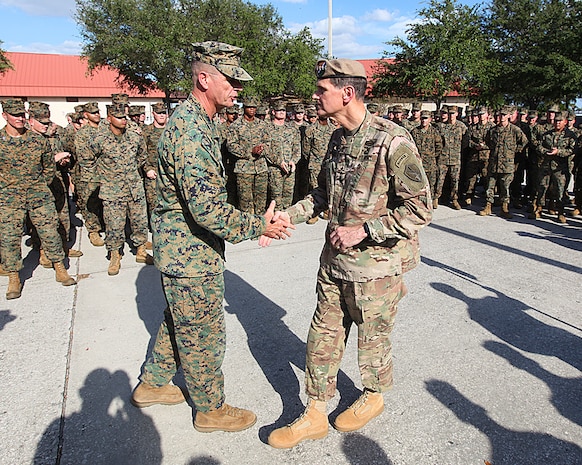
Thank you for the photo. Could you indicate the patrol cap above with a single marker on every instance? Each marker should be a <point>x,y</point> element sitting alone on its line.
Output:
<point>311,112</point>
<point>532,113</point>
<point>224,57</point>
<point>425,114</point>
<point>397,109</point>
<point>554,109</point>
<point>444,109</point>
<point>13,106</point>
<point>116,109</point>
<point>298,108</point>
<point>372,107</point>
<point>279,105</point>
<point>91,107</point>
<point>78,108</point>
<point>261,110</point>
<point>39,111</point>
<point>136,110</point>
<point>341,68</point>
<point>482,111</point>
<point>506,110</point>
<point>416,106</point>
<point>120,98</point>
<point>159,107</point>
<point>229,110</point>
<point>452,109</point>
<point>250,102</point>
<point>561,115</point>
<point>571,115</point>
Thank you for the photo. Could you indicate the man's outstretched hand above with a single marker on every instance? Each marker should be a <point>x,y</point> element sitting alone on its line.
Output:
<point>278,225</point>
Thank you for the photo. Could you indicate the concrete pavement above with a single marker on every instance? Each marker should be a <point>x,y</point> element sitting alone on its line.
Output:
<point>487,356</point>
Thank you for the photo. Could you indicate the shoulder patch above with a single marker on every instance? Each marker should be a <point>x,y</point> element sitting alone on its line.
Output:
<point>406,165</point>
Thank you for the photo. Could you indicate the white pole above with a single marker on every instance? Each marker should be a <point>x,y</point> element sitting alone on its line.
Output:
<point>329,30</point>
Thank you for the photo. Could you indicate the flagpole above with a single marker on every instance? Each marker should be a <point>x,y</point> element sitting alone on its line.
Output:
<point>329,30</point>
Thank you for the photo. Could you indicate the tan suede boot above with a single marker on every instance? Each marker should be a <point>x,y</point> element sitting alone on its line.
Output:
<point>74,253</point>
<point>149,245</point>
<point>43,260</point>
<point>95,239</point>
<point>312,220</point>
<point>435,203</point>
<point>505,211</point>
<point>62,276</point>
<point>14,286</point>
<point>456,205</point>
<point>487,210</point>
<point>141,256</point>
<point>369,405</point>
<point>3,272</point>
<point>225,418</point>
<point>114,263</point>
<point>145,395</point>
<point>312,424</point>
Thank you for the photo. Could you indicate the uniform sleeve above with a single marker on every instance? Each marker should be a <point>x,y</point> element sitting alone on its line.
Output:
<point>236,146</point>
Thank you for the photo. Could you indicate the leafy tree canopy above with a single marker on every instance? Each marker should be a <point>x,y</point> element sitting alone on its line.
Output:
<point>5,64</point>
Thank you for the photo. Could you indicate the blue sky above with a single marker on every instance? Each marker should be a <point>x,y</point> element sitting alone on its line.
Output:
<point>360,29</point>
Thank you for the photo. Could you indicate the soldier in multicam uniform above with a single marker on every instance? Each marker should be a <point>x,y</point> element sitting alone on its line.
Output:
<point>191,223</point>
<point>373,182</point>
<point>557,146</point>
<point>455,140</point>
<point>152,133</point>
<point>504,140</point>
<point>120,155</point>
<point>284,154</point>
<point>87,184</point>
<point>429,142</point>
<point>27,167</point>
<point>478,156</point>
<point>39,120</point>
<point>248,142</point>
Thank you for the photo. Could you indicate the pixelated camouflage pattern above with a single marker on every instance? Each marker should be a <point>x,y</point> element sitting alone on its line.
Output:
<point>455,139</point>
<point>504,142</point>
<point>115,215</point>
<point>284,147</point>
<point>152,136</point>
<point>315,143</point>
<point>381,182</point>
<point>193,218</point>
<point>193,335</point>
<point>228,161</point>
<point>224,57</point>
<point>430,145</point>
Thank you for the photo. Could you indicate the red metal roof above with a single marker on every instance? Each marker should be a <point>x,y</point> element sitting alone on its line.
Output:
<point>47,75</point>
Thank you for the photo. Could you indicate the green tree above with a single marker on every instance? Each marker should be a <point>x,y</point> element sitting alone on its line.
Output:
<point>446,51</point>
<point>538,43</point>
<point>5,64</point>
<point>149,41</point>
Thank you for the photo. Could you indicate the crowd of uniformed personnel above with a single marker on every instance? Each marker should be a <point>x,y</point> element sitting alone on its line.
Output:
<point>269,153</point>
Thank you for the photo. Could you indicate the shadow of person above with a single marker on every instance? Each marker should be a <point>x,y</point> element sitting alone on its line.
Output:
<point>508,447</point>
<point>203,460</point>
<point>566,392</point>
<point>275,348</point>
<point>150,300</point>
<point>359,449</point>
<point>5,318</point>
<point>507,319</point>
<point>107,430</point>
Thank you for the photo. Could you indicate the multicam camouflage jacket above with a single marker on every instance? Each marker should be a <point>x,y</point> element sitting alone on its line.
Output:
<point>284,143</point>
<point>119,160</point>
<point>315,143</point>
<point>504,142</point>
<point>372,178</point>
<point>245,135</point>
<point>27,167</point>
<point>193,218</point>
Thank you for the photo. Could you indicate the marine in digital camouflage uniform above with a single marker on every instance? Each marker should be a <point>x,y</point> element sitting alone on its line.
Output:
<point>248,142</point>
<point>120,156</point>
<point>478,153</point>
<point>27,167</point>
<point>191,222</point>
<point>315,144</point>
<point>373,182</point>
<point>504,140</point>
<point>228,160</point>
<point>284,154</point>
<point>429,142</point>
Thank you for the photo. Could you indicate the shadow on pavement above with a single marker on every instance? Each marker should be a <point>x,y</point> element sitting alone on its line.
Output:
<point>359,449</point>
<point>508,447</point>
<point>107,430</point>
<point>276,349</point>
<point>5,318</point>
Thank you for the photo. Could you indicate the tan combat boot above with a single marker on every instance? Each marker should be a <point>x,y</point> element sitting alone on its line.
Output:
<point>312,424</point>
<point>74,253</point>
<point>487,210</point>
<point>3,272</point>
<point>114,263</point>
<point>145,395</point>
<point>62,276</point>
<point>14,286</point>
<point>225,418</point>
<point>141,256</point>
<point>312,220</point>
<point>505,211</point>
<point>468,201</point>
<point>456,204</point>
<point>43,260</point>
<point>562,218</point>
<point>435,203</point>
<point>95,239</point>
<point>369,405</point>
<point>536,212</point>
<point>149,245</point>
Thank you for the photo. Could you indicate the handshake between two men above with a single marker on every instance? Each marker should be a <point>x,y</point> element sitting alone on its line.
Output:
<point>278,226</point>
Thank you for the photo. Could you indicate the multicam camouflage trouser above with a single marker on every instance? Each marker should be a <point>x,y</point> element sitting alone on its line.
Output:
<point>281,187</point>
<point>115,213</point>
<point>193,335</point>
<point>372,306</point>
<point>252,192</point>
<point>44,218</point>
<point>90,205</point>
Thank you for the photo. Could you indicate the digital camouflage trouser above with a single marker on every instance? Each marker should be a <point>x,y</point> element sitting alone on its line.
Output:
<point>455,172</point>
<point>281,187</point>
<point>115,213</point>
<point>90,205</point>
<point>45,220</point>
<point>192,335</point>
<point>502,181</point>
<point>372,306</point>
<point>252,192</point>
